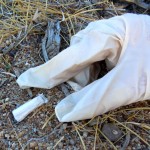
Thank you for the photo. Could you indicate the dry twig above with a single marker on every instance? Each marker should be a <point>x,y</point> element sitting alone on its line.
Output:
<point>140,3</point>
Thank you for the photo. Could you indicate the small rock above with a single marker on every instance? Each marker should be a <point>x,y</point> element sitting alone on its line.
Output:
<point>7,42</point>
<point>21,134</point>
<point>48,148</point>
<point>72,142</point>
<point>117,146</point>
<point>138,146</point>
<point>7,99</point>
<point>1,134</point>
<point>12,136</point>
<point>85,134</point>
<point>14,38</point>
<point>7,136</point>
<point>60,145</point>
<point>36,148</point>
<point>112,131</point>
<point>13,145</point>
<point>40,144</point>
<point>65,126</point>
<point>51,144</point>
<point>129,148</point>
<point>34,130</point>
<point>4,114</point>
<point>41,115</point>
<point>26,64</point>
<point>33,144</point>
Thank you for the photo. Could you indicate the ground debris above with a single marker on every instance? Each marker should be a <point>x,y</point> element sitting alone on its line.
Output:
<point>112,131</point>
<point>51,40</point>
<point>21,37</point>
<point>126,142</point>
<point>51,45</point>
<point>140,3</point>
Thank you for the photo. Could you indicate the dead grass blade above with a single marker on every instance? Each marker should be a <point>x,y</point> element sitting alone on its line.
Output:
<point>142,125</point>
<point>81,126</point>
<point>58,142</point>
<point>46,122</point>
<point>79,136</point>
<point>96,129</point>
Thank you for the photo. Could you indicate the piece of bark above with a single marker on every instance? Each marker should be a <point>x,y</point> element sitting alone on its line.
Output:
<point>51,45</point>
<point>51,40</point>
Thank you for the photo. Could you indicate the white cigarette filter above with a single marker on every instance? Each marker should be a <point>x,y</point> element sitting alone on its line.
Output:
<point>21,112</point>
<point>124,42</point>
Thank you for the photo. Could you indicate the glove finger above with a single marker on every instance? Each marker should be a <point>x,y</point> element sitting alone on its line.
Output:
<point>115,89</point>
<point>94,46</point>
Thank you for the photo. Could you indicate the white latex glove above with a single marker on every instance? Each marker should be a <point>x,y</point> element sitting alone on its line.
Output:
<point>124,42</point>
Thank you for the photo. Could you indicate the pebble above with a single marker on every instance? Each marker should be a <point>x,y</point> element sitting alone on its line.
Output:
<point>7,136</point>
<point>27,64</point>
<point>36,148</point>
<point>138,146</point>
<point>64,126</point>
<point>20,134</point>
<point>85,134</point>
<point>129,148</point>
<point>51,144</point>
<point>41,115</point>
<point>14,38</point>
<point>4,114</point>
<point>48,148</point>
<point>135,140</point>
<point>60,145</point>
<point>7,99</point>
<point>72,142</point>
<point>13,145</point>
<point>33,144</point>
<point>40,144</point>
<point>1,134</point>
<point>7,42</point>
<point>12,136</point>
<point>34,130</point>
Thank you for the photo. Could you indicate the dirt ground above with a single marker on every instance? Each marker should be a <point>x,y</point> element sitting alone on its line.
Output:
<point>126,128</point>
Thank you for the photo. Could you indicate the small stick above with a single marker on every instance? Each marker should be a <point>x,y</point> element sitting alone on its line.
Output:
<point>126,142</point>
<point>44,47</point>
<point>140,3</point>
<point>58,142</point>
<point>8,73</point>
